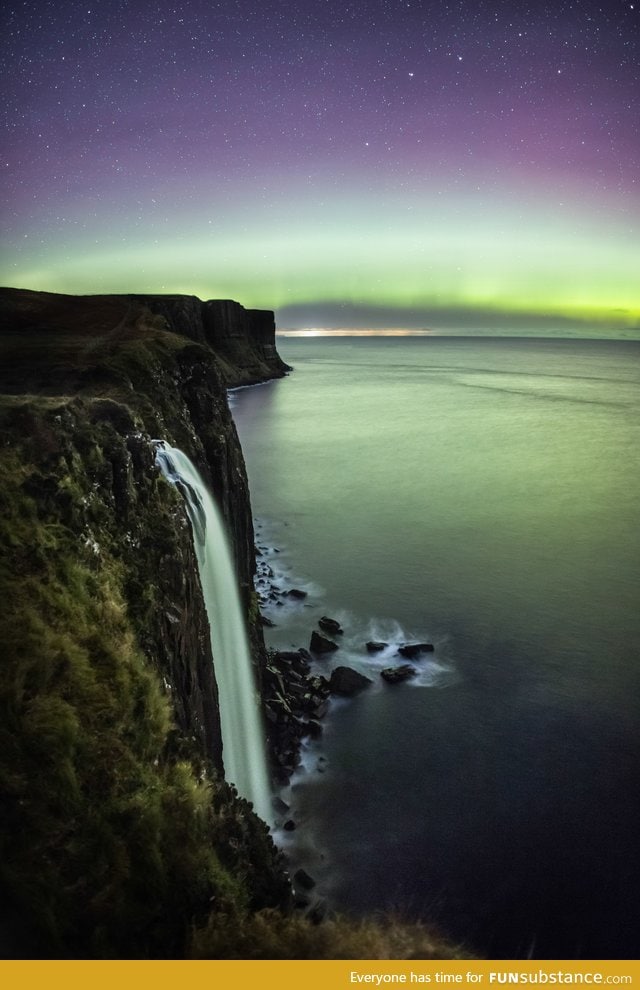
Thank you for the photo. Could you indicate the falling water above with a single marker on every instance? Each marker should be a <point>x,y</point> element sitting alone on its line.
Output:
<point>243,747</point>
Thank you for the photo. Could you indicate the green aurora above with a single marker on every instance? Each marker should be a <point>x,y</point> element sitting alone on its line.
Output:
<point>432,255</point>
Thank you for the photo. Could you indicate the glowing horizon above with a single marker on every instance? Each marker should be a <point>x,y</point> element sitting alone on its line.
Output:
<point>496,181</point>
<point>352,332</point>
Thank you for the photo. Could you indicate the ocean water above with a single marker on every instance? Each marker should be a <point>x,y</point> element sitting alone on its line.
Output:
<point>481,494</point>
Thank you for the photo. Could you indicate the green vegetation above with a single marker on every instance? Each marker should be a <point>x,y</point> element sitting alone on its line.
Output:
<point>110,846</point>
<point>271,934</point>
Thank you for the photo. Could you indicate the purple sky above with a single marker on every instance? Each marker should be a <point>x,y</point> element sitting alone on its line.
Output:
<point>421,158</point>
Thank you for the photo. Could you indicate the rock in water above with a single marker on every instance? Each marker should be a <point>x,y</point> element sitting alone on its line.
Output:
<point>302,879</point>
<point>296,593</point>
<point>412,650</point>
<point>376,647</point>
<point>347,682</point>
<point>332,626</point>
<point>320,644</point>
<point>394,675</point>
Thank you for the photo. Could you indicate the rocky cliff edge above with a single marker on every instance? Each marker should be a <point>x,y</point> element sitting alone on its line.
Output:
<point>117,829</point>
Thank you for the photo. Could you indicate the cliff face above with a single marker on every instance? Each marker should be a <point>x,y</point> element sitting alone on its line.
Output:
<point>139,368</point>
<point>243,340</point>
<point>118,835</point>
<point>111,732</point>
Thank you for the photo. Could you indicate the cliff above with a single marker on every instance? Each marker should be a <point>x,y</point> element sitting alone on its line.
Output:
<point>108,687</point>
<point>118,835</point>
<point>243,340</point>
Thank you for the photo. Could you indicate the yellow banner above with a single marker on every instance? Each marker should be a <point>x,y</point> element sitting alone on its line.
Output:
<point>312,975</point>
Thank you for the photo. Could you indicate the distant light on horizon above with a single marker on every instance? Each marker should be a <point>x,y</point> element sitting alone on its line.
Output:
<point>352,332</point>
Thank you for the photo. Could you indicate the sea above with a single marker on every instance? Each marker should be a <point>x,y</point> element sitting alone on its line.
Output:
<point>481,494</point>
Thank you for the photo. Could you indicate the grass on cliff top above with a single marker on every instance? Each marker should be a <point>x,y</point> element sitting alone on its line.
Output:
<point>81,349</point>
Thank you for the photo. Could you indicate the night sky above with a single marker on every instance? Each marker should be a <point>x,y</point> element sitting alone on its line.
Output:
<point>379,163</point>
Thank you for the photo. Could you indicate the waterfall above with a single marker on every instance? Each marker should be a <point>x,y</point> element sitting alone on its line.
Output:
<point>243,741</point>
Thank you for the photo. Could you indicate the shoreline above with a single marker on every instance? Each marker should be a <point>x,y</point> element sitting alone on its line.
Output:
<point>301,694</point>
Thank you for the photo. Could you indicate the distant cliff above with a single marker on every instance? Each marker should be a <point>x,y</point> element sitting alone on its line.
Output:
<point>243,340</point>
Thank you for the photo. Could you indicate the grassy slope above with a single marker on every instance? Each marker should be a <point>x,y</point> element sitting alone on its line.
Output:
<point>114,838</point>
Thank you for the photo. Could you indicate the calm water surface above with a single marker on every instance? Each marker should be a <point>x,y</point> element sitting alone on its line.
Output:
<point>483,494</point>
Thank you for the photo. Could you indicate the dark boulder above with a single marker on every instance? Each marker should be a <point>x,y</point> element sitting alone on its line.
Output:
<point>347,682</point>
<point>296,593</point>
<point>320,644</point>
<point>302,879</point>
<point>289,825</point>
<point>331,626</point>
<point>319,685</point>
<point>297,659</point>
<point>412,650</point>
<point>321,708</point>
<point>394,675</point>
<point>375,647</point>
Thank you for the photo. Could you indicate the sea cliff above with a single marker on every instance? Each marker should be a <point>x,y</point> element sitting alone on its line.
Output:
<point>119,836</point>
<point>108,681</point>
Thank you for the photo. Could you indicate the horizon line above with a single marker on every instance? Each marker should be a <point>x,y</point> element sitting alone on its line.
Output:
<point>555,333</point>
<point>351,332</point>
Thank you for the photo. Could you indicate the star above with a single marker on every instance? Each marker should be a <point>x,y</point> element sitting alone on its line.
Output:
<point>198,107</point>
